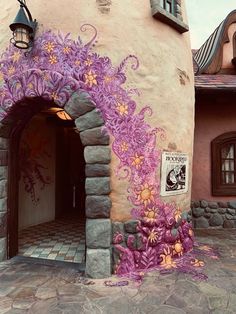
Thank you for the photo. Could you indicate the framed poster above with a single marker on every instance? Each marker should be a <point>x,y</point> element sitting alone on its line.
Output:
<point>174,173</point>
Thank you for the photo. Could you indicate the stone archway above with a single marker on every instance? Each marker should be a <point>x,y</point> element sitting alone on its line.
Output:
<point>97,156</point>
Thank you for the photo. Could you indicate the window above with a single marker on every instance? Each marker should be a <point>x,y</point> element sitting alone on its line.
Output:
<point>169,12</point>
<point>169,6</point>
<point>224,164</point>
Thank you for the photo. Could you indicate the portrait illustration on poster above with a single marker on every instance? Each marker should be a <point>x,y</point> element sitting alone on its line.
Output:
<point>174,173</point>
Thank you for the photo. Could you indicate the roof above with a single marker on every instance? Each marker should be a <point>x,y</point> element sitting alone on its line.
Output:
<point>216,81</point>
<point>208,56</point>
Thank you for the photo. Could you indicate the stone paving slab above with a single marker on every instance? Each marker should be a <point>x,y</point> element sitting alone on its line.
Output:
<point>27,287</point>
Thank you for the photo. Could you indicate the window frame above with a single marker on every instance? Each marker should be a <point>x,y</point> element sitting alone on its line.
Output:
<point>219,188</point>
<point>174,19</point>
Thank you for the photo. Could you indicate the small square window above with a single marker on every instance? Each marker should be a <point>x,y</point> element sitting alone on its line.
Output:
<point>224,164</point>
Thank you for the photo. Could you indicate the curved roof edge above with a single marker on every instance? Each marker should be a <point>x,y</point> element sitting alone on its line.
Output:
<point>206,53</point>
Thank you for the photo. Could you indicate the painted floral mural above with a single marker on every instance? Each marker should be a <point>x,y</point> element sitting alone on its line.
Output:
<point>56,67</point>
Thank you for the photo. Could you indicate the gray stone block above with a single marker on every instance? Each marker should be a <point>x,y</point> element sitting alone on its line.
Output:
<point>98,263</point>
<point>198,212</point>
<point>97,170</point>
<point>79,103</point>
<point>231,211</point>
<point>97,154</point>
<point>223,204</point>
<point>228,224</point>
<point>222,210</point>
<point>216,220</point>
<point>94,136</point>
<point>196,204</point>
<point>208,210</point>
<point>201,222</point>
<point>3,188</point>
<point>3,204</point>
<point>89,120</point>
<point>3,172</point>
<point>204,203</point>
<point>98,206</point>
<point>3,143</point>
<point>97,186</point>
<point>229,217</point>
<point>213,205</point>
<point>3,249</point>
<point>3,224</point>
<point>131,226</point>
<point>98,233</point>
<point>118,228</point>
<point>232,204</point>
<point>207,215</point>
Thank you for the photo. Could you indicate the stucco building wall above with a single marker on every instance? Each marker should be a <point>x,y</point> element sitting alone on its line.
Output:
<point>164,78</point>
<point>211,121</point>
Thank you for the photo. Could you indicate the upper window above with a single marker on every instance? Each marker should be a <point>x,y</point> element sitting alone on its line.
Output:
<point>169,6</point>
<point>224,164</point>
<point>169,12</point>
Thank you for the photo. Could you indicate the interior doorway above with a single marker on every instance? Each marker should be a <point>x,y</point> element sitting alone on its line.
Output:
<point>51,215</point>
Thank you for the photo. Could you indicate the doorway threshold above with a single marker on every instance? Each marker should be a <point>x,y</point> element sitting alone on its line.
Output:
<point>47,262</point>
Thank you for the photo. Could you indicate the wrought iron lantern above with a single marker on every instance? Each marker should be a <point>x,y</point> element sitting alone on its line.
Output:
<point>23,28</point>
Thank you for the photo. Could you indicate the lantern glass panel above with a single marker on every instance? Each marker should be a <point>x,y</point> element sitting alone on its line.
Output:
<point>21,38</point>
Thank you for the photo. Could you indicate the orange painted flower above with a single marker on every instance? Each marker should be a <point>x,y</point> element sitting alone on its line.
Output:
<point>54,96</point>
<point>77,62</point>
<point>108,79</point>
<point>150,215</point>
<point>190,232</point>
<point>16,56</point>
<point>66,50</point>
<point>178,248</point>
<point>30,86</point>
<point>52,59</point>
<point>153,236</point>
<point>167,261</point>
<point>197,263</point>
<point>88,62</point>
<point>124,147</point>
<point>137,160</point>
<point>145,194</point>
<point>49,46</point>
<point>177,214</point>
<point>11,70</point>
<point>1,76</point>
<point>122,109</point>
<point>90,78</point>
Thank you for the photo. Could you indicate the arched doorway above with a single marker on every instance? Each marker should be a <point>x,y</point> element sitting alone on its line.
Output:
<point>97,156</point>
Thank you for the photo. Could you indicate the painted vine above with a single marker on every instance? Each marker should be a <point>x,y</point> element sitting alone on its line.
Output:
<point>57,67</point>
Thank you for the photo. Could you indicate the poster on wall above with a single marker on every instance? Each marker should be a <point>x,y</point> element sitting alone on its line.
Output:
<point>174,173</point>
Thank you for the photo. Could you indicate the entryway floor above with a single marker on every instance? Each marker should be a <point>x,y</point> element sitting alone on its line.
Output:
<point>61,240</point>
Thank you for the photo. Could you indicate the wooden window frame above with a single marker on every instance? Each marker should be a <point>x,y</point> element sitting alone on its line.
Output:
<point>172,4</point>
<point>218,188</point>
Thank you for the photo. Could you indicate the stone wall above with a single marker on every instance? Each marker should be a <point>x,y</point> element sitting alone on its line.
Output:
<point>213,214</point>
<point>3,198</point>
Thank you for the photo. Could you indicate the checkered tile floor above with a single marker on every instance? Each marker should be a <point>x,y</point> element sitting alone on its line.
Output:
<point>61,240</point>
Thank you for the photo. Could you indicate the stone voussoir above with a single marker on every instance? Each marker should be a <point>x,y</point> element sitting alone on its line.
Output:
<point>97,170</point>
<point>79,103</point>
<point>89,120</point>
<point>3,248</point>
<point>98,233</point>
<point>95,136</point>
<point>3,188</point>
<point>97,154</point>
<point>97,186</point>
<point>98,206</point>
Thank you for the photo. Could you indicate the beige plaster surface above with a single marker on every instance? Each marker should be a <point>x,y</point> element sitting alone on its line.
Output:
<point>211,121</point>
<point>164,78</point>
<point>34,213</point>
<point>228,49</point>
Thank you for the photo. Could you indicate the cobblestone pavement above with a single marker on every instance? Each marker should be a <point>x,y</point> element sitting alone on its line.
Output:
<point>44,289</point>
